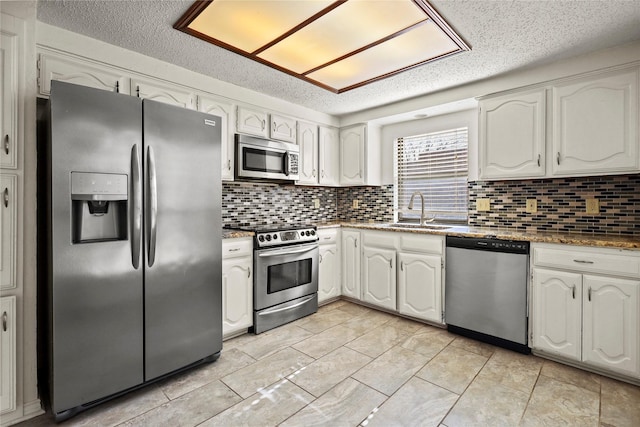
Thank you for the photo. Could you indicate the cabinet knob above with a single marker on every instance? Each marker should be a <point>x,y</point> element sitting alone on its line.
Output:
<point>6,144</point>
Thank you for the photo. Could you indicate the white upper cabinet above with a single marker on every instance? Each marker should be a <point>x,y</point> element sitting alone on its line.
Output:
<point>589,126</point>
<point>512,136</point>
<point>225,110</point>
<point>252,122</point>
<point>283,128</point>
<point>53,66</point>
<point>595,126</point>
<point>11,69</point>
<point>163,92</point>
<point>328,156</point>
<point>308,144</point>
<point>352,155</point>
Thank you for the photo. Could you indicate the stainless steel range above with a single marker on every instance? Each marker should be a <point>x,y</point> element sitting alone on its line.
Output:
<point>285,284</point>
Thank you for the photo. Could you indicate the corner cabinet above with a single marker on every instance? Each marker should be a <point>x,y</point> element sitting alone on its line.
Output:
<point>586,304</point>
<point>225,110</point>
<point>329,285</point>
<point>512,136</point>
<point>328,156</point>
<point>351,263</point>
<point>595,126</point>
<point>237,286</point>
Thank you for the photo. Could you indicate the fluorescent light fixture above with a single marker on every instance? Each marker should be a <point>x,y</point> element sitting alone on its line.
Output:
<point>337,45</point>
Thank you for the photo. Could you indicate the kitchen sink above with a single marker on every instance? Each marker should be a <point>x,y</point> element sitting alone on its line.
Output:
<point>419,227</point>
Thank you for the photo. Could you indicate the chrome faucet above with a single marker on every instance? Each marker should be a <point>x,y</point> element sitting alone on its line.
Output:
<point>422,219</point>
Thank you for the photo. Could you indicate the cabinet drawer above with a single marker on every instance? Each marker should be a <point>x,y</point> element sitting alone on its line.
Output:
<point>421,243</point>
<point>327,235</point>
<point>237,247</point>
<point>593,261</point>
<point>380,239</point>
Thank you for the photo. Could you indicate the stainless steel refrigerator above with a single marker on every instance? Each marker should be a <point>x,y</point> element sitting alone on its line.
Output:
<point>134,243</point>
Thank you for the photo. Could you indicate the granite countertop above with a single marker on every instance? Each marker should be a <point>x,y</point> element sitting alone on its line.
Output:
<point>229,233</point>
<point>601,240</point>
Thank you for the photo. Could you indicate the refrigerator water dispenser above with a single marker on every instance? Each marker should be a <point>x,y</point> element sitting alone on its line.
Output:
<point>99,211</point>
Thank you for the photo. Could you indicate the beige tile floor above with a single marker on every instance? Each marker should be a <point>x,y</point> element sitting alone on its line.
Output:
<point>348,365</point>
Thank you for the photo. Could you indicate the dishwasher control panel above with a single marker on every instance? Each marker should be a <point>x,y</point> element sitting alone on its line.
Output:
<point>488,244</point>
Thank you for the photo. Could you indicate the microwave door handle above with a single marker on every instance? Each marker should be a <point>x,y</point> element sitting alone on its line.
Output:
<point>286,163</point>
<point>285,251</point>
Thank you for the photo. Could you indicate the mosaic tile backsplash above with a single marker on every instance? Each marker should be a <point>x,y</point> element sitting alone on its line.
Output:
<point>561,204</point>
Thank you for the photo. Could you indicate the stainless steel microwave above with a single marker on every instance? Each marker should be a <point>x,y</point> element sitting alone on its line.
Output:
<point>258,158</point>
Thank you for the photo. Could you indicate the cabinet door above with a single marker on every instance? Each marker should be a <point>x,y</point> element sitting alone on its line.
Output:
<point>352,155</point>
<point>161,92</point>
<point>557,312</point>
<point>610,333</point>
<point>512,136</point>
<point>595,125</point>
<point>8,230</point>
<point>225,111</point>
<point>283,128</point>
<point>252,122</point>
<point>80,72</point>
<point>328,156</point>
<point>379,276</point>
<point>308,143</point>
<point>7,354</point>
<point>420,286</point>
<point>10,67</point>
<point>351,264</point>
<point>237,294</point>
<point>328,273</point>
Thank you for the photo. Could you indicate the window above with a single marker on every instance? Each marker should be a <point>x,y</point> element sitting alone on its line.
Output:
<point>435,164</point>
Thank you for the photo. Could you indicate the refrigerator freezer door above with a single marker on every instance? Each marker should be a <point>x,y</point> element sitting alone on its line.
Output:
<point>183,296</point>
<point>95,293</point>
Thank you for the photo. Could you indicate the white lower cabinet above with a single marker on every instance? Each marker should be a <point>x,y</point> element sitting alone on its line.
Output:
<point>379,276</point>
<point>8,354</point>
<point>329,264</point>
<point>420,286</point>
<point>351,263</point>
<point>582,311</point>
<point>237,285</point>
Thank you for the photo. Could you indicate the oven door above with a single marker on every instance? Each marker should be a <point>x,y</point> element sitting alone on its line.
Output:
<point>285,273</point>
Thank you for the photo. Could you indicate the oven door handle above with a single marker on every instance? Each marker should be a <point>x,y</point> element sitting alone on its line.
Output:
<point>287,251</point>
<point>288,307</point>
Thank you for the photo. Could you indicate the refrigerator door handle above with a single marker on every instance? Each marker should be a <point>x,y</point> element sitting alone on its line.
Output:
<point>152,210</point>
<point>136,211</point>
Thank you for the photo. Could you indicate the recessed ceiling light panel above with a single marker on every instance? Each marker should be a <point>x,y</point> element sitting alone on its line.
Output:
<point>337,45</point>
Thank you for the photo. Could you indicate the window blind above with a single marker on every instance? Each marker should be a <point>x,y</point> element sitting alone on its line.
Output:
<point>436,164</point>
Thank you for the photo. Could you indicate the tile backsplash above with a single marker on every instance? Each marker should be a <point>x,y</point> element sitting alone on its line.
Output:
<point>561,204</point>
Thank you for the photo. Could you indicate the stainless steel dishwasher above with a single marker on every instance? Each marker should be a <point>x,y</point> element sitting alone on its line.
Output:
<point>486,290</point>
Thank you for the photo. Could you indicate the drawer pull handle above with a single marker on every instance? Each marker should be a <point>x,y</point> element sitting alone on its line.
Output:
<point>538,160</point>
<point>558,157</point>
<point>4,321</point>
<point>320,258</point>
<point>5,194</point>
<point>248,272</point>
<point>391,263</point>
<point>583,261</point>
<point>589,293</point>
<point>402,265</point>
<point>6,144</point>
<point>573,292</point>
<point>234,249</point>
<point>327,238</point>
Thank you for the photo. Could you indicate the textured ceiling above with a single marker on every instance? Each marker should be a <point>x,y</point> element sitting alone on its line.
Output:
<point>504,36</point>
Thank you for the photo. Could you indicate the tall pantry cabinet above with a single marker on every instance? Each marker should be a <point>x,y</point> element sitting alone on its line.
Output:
<point>18,360</point>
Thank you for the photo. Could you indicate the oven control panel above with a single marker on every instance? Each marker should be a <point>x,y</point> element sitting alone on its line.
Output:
<point>285,237</point>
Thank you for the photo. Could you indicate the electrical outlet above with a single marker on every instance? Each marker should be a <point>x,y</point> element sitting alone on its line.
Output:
<point>483,204</point>
<point>316,203</point>
<point>593,206</point>
<point>355,204</point>
<point>532,206</point>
